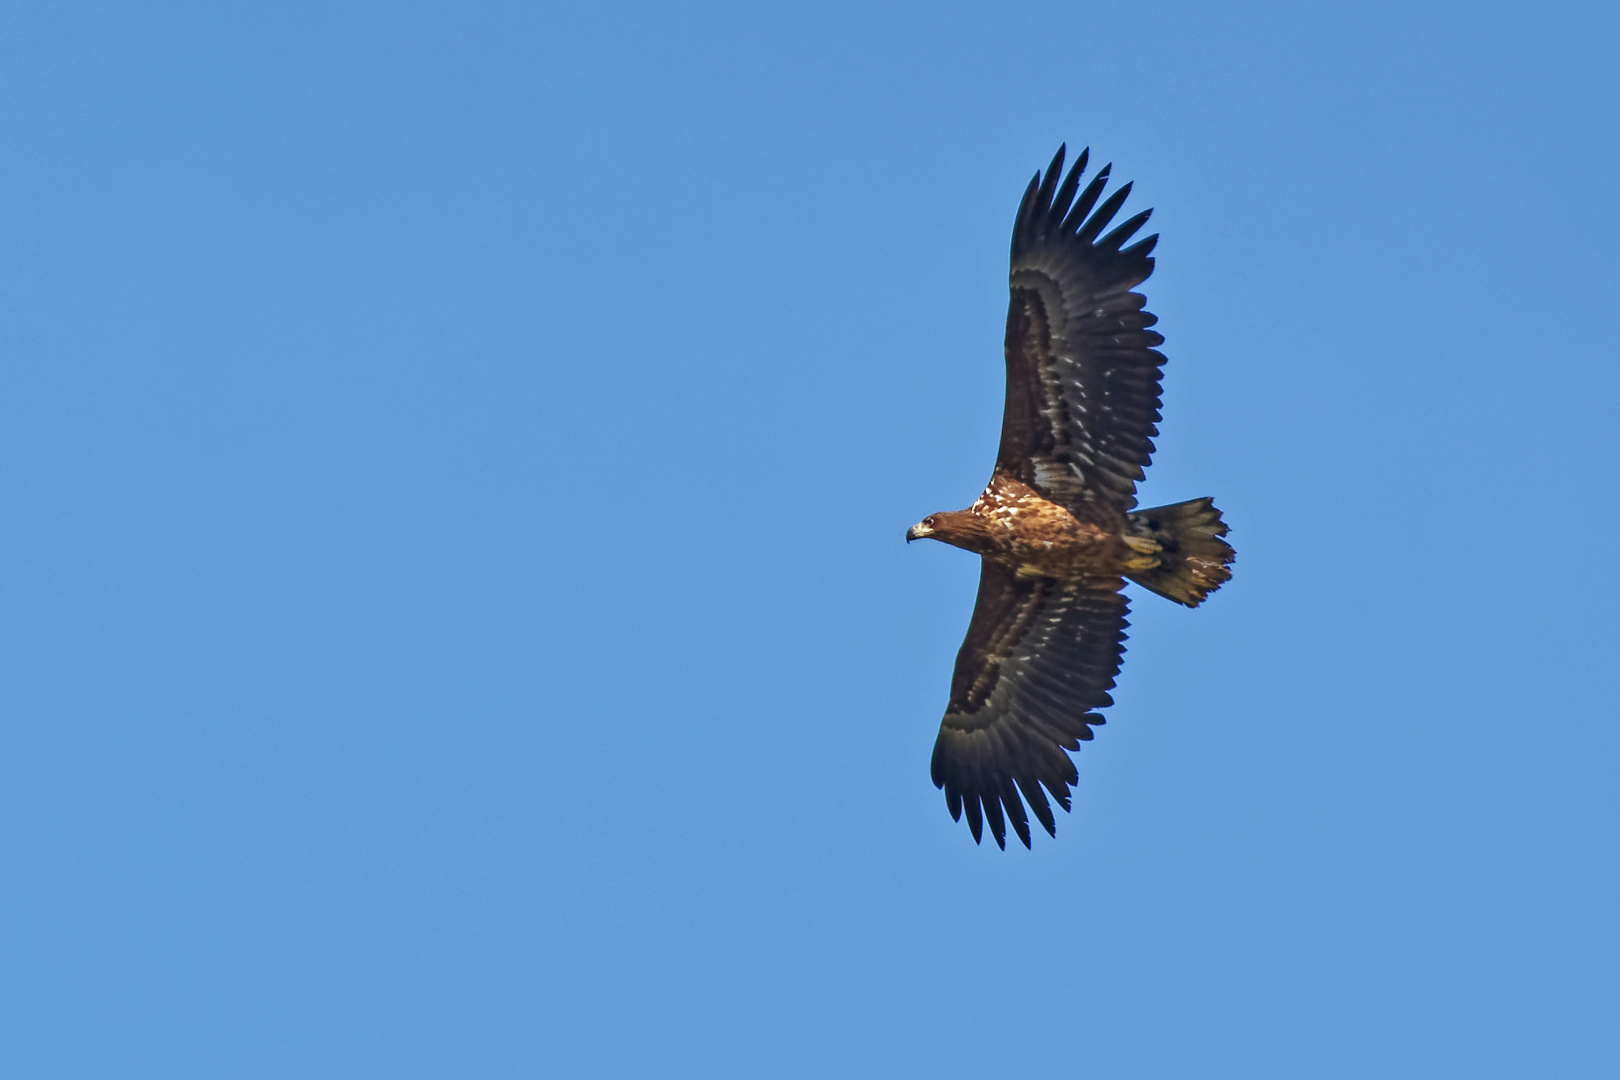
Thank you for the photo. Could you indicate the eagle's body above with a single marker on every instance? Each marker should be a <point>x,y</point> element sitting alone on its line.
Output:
<point>1056,528</point>
<point>1017,526</point>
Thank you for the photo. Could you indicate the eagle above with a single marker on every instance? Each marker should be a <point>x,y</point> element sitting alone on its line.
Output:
<point>1056,530</point>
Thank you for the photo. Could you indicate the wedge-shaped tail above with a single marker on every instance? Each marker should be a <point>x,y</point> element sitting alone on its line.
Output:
<point>1193,559</point>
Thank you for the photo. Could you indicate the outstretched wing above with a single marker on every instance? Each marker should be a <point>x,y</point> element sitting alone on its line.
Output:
<point>1082,370</point>
<point>1040,654</point>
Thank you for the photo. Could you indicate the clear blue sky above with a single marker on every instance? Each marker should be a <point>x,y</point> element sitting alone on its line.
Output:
<point>454,615</point>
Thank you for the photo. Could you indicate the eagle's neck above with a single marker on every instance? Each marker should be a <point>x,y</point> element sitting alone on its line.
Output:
<point>965,529</point>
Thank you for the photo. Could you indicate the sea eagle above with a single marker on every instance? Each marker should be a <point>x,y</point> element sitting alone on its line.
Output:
<point>1056,529</point>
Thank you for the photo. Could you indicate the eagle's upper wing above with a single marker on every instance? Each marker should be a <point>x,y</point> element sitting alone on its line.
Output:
<point>1082,371</point>
<point>1039,655</point>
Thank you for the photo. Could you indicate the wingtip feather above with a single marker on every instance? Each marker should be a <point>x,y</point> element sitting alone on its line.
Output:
<point>1127,229</point>
<point>1104,214</point>
<point>998,825</point>
<point>1038,806</point>
<point>1049,181</point>
<point>1088,199</point>
<point>975,818</point>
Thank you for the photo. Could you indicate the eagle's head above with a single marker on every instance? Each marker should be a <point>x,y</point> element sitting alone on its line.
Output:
<point>959,528</point>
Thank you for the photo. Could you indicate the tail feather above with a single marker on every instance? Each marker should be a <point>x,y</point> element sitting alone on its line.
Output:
<point>1193,559</point>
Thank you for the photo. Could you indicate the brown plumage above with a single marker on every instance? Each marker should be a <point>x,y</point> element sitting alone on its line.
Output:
<point>1056,528</point>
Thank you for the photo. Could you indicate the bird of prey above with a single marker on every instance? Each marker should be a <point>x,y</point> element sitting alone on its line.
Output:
<point>1057,529</point>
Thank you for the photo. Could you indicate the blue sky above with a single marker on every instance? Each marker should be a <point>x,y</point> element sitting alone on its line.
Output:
<point>454,616</point>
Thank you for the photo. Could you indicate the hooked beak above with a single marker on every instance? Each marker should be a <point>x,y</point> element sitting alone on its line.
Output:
<point>917,532</point>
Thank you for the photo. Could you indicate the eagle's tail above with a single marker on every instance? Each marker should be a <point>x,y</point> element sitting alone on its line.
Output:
<point>1193,559</point>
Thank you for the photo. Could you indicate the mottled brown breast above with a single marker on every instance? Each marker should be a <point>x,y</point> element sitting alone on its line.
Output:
<point>1039,538</point>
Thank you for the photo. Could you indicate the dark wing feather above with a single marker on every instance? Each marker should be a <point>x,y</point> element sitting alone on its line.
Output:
<point>1040,654</point>
<point>1082,367</point>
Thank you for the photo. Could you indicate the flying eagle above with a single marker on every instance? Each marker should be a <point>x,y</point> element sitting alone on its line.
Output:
<point>1056,529</point>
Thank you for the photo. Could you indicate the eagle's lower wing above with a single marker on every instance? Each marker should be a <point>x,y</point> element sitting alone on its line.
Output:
<point>1039,655</point>
<point>1082,370</point>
